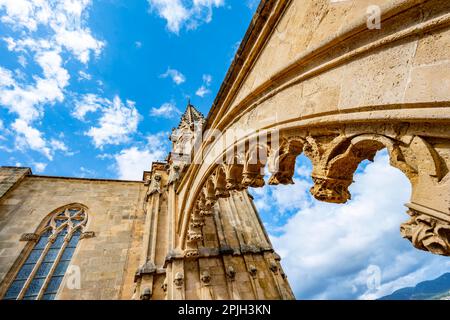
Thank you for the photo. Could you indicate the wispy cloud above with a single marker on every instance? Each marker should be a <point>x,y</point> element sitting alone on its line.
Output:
<point>176,76</point>
<point>167,110</point>
<point>189,14</point>
<point>204,88</point>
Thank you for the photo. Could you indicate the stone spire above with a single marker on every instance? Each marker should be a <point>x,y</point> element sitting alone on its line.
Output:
<point>185,134</point>
<point>191,117</point>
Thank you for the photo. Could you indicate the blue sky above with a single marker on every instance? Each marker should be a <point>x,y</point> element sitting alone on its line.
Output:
<point>92,89</point>
<point>152,54</point>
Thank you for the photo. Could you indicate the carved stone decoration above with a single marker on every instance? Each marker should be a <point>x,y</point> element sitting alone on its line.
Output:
<point>191,253</point>
<point>87,235</point>
<point>331,190</point>
<point>219,181</point>
<point>253,171</point>
<point>146,294</point>
<point>164,285</point>
<point>427,233</point>
<point>253,271</point>
<point>273,267</point>
<point>174,173</point>
<point>205,278</point>
<point>178,281</point>
<point>233,176</point>
<point>231,273</point>
<point>205,206</point>
<point>282,161</point>
<point>29,237</point>
<point>208,189</point>
<point>194,236</point>
<point>155,185</point>
<point>196,220</point>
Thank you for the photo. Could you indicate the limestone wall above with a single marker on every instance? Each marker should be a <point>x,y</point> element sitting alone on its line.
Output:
<point>107,261</point>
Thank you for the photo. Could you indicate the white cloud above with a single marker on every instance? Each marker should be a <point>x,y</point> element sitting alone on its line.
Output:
<point>176,76</point>
<point>39,167</point>
<point>204,88</point>
<point>207,79</point>
<point>84,75</point>
<point>131,162</point>
<point>63,31</point>
<point>202,91</point>
<point>22,61</point>
<point>327,248</point>
<point>189,14</point>
<point>167,110</point>
<point>58,145</point>
<point>65,18</point>
<point>30,137</point>
<point>89,103</point>
<point>84,172</point>
<point>118,121</point>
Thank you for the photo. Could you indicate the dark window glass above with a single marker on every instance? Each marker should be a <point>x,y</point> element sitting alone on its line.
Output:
<point>47,262</point>
<point>14,289</point>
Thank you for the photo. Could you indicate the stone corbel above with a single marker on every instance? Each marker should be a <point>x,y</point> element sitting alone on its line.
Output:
<point>87,235</point>
<point>253,171</point>
<point>29,237</point>
<point>282,161</point>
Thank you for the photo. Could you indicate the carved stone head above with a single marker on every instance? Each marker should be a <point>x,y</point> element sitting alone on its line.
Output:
<point>179,280</point>
<point>146,294</point>
<point>274,267</point>
<point>231,273</point>
<point>205,277</point>
<point>252,269</point>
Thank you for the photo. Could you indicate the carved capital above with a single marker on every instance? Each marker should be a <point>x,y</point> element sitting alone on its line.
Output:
<point>331,190</point>
<point>427,233</point>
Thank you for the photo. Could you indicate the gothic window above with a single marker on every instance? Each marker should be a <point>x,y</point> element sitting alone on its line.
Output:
<point>40,276</point>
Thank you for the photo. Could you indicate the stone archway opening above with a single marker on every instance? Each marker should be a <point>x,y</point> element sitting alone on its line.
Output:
<point>322,242</point>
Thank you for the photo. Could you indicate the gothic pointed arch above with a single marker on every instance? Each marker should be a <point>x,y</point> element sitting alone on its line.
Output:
<point>39,274</point>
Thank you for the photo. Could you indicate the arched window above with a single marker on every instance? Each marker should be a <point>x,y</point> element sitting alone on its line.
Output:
<point>40,276</point>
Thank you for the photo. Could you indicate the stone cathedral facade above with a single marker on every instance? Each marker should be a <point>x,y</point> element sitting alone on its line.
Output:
<point>334,80</point>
